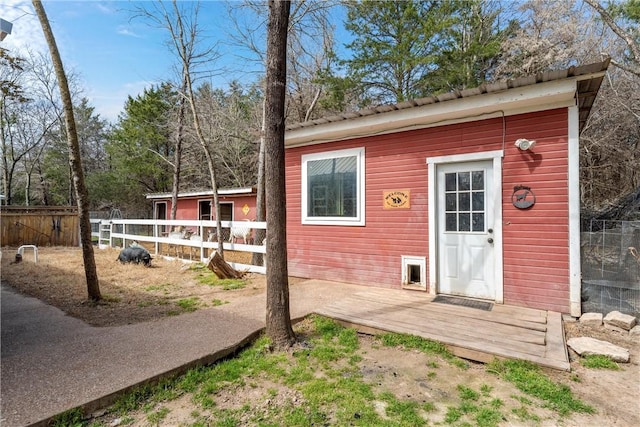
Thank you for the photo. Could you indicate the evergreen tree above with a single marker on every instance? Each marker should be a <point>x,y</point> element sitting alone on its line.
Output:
<point>472,47</point>
<point>140,147</point>
<point>411,49</point>
<point>397,45</point>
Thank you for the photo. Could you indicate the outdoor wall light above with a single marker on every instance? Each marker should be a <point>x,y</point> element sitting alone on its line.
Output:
<point>525,144</point>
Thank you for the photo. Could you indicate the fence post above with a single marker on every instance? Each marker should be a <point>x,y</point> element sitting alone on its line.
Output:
<point>155,235</point>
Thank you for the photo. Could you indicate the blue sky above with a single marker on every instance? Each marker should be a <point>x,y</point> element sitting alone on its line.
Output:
<point>113,55</point>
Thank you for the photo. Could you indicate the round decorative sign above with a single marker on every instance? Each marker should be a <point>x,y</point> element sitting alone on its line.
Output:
<point>523,197</point>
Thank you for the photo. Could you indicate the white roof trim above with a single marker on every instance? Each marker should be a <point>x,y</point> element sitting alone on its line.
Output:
<point>221,192</point>
<point>510,101</point>
<point>576,85</point>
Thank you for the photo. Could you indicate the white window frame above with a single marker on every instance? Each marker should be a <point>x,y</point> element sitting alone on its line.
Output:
<point>359,219</point>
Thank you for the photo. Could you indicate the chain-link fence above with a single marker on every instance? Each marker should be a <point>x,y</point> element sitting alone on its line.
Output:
<point>610,253</point>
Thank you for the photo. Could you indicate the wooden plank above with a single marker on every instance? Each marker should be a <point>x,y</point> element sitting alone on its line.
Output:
<point>471,354</point>
<point>467,332</point>
<point>471,343</point>
<point>462,326</point>
<point>556,346</point>
<point>448,313</point>
<point>461,334</point>
<point>498,314</point>
<point>40,228</point>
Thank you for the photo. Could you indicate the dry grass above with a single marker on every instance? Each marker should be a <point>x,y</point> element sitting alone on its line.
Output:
<point>131,293</point>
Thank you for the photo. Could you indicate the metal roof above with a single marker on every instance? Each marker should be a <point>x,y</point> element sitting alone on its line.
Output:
<point>588,77</point>
<point>204,192</point>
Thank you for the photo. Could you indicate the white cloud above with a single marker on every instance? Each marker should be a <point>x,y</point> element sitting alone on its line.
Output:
<point>26,32</point>
<point>126,31</point>
<point>104,8</point>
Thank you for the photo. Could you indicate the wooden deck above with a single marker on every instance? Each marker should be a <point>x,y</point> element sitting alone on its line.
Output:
<point>504,332</point>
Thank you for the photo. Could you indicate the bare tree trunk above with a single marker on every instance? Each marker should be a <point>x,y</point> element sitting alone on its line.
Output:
<point>278,319</point>
<point>184,44</point>
<point>261,211</point>
<point>177,154</point>
<point>82,195</point>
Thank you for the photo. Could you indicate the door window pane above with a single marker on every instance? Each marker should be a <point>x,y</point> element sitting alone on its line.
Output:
<point>451,222</point>
<point>477,201</point>
<point>477,180</point>
<point>464,222</point>
<point>477,222</point>
<point>450,202</point>
<point>465,201</point>
<point>450,182</point>
<point>464,181</point>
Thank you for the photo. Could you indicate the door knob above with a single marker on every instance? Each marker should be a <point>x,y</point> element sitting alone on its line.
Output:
<point>490,240</point>
<point>490,230</point>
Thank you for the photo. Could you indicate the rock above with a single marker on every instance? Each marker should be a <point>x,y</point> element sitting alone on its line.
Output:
<point>620,320</point>
<point>585,346</point>
<point>591,319</point>
<point>635,331</point>
<point>615,329</point>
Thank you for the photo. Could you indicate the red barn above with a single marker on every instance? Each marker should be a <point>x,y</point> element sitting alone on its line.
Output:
<point>472,193</point>
<point>236,204</point>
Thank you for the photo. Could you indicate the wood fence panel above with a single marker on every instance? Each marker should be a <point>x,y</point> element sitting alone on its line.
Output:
<point>40,226</point>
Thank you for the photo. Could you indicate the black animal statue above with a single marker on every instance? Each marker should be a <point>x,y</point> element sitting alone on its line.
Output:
<point>135,253</point>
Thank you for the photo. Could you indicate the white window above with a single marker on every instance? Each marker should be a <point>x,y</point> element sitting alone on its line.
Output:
<point>333,187</point>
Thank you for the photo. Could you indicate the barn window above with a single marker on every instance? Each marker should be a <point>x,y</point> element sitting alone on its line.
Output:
<point>333,187</point>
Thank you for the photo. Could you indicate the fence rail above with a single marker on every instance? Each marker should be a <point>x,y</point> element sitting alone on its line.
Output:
<point>154,234</point>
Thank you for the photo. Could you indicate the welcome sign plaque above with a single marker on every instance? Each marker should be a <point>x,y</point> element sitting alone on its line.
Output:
<point>396,199</point>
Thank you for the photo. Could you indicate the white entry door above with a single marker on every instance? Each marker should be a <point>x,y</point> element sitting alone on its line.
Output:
<point>465,229</point>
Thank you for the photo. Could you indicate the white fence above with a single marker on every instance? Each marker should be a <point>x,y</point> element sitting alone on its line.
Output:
<point>122,232</point>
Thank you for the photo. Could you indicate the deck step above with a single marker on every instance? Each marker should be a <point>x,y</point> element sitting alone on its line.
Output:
<point>504,332</point>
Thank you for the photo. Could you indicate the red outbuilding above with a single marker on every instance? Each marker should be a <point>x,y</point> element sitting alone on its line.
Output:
<point>473,193</point>
<point>236,204</point>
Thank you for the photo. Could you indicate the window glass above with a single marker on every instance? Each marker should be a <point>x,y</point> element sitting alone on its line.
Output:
<point>464,222</point>
<point>464,201</point>
<point>450,182</point>
<point>332,187</point>
<point>464,181</point>
<point>332,190</point>
<point>450,202</point>
<point>478,201</point>
<point>477,180</point>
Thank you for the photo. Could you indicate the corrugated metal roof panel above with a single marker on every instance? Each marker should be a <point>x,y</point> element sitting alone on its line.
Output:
<point>587,90</point>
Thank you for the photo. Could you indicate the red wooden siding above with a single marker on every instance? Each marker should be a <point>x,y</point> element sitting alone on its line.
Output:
<point>188,207</point>
<point>536,240</point>
<point>238,204</point>
<point>536,256</point>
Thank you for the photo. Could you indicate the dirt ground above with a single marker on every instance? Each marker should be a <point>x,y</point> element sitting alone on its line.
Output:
<point>131,293</point>
<point>134,293</point>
